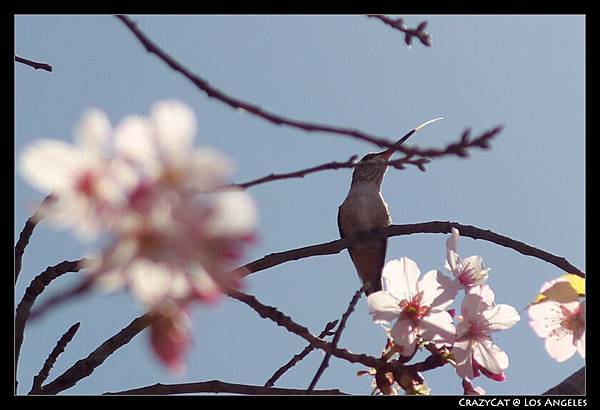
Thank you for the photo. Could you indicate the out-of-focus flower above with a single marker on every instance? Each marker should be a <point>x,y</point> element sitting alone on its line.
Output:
<point>560,319</point>
<point>170,336</point>
<point>470,390</point>
<point>87,186</point>
<point>174,232</point>
<point>474,349</point>
<point>410,303</point>
<point>469,271</point>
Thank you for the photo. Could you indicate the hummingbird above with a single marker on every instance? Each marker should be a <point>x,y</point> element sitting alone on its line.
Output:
<point>364,210</point>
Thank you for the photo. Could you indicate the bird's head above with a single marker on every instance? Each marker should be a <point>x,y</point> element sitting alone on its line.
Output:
<point>372,167</point>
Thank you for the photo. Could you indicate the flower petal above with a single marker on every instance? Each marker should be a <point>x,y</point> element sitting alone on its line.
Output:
<point>175,125</point>
<point>51,165</point>
<point>400,278</point>
<point>93,131</point>
<point>463,355</point>
<point>438,327</point>
<point>501,317</point>
<point>560,346</point>
<point>405,335</point>
<point>384,307</point>
<point>490,356</point>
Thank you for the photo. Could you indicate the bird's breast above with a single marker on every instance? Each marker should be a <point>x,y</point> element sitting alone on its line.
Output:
<point>363,209</point>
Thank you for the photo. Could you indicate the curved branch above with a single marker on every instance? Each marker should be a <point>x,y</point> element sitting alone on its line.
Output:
<point>217,386</point>
<point>333,247</point>
<point>49,363</point>
<point>25,235</point>
<point>86,367</point>
<point>36,287</point>
<point>276,119</point>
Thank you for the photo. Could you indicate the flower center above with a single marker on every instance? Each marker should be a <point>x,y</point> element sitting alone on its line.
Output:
<point>413,309</point>
<point>571,320</point>
<point>86,184</point>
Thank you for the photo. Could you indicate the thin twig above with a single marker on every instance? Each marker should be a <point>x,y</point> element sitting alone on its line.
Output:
<point>572,385</point>
<point>398,24</point>
<point>294,360</point>
<point>36,287</point>
<point>336,337</point>
<point>333,247</point>
<point>33,64</point>
<point>85,367</point>
<point>25,235</point>
<point>57,351</point>
<point>71,294</point>
<point>217,386</point>
<point>257,111</point>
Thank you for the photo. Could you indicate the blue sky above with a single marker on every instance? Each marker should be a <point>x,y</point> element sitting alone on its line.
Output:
<point>524,72</point>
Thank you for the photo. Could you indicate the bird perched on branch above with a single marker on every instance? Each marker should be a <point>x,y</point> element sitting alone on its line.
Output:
<point>364,210</point>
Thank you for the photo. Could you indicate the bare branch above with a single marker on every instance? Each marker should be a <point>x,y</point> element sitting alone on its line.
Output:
<point>85,367</point>
<point>336,337</point>
<point>257,111</point>
<point>57,351</point>
<point>36,287</point>
<point>70,294</point>
<point>572,385</point>
<point>25,235</point>
<point>33,64</point>
<point>333,247</point>
<point>217,386</point>
<point>381,364</point>
<point>334,165</point>
<point>409,33</point>
<point>292,362</point>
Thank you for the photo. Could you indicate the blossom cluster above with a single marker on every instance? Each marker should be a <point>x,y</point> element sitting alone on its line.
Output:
<point>416,312</point>
<point>174,232</point>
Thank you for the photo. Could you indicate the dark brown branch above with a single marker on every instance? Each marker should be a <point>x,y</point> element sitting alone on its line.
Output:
<point>572,385</point>
<point>70,294</point>
<point>85,367</point>
<point>33,64</point>
<point>273,314</point>
<point>336,337</point>
<point>294,360</point>
<point>409,33</point>
<point>57,351</point>
<point>351,163</point>
<point>217,386</point>
<point>25,235</point>
<point>36,287</point>
<point>333,247</point>
<point>255,110</point>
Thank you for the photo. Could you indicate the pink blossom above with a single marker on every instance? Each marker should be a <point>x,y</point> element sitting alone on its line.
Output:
<point>474,350</point>
<point>562,324</point>
<point>410,303</point>
<point>469,271</point>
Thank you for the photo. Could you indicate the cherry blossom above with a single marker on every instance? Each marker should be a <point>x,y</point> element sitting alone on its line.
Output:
<point>561,322</point>
<point>474,350</point>
<point>469,271</point>
<point>409,302</point>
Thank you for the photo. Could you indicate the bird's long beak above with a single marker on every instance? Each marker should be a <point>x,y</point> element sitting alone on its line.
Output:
<point>390,151</point>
